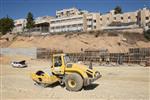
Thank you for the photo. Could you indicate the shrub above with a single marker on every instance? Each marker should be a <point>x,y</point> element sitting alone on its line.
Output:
<point>147,34</point>
<point>6,25</point>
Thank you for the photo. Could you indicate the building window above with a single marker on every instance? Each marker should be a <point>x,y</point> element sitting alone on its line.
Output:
<point>121,18</point>
<point>147,18</point>
<point>94,27</point>
<point>139,18</point>
<point>114,18</point>
<point>129,17</point>
<point>108,18</point>
<point>89,25</point>
<point>52,22</point>
<point>101,19</point>
<point>136,17</point>
<point>89,19</point>
<point>95,21</point>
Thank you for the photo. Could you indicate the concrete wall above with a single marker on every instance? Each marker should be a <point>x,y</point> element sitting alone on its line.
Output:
<point>31,52</point>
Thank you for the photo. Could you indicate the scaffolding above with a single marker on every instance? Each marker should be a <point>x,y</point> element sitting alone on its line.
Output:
<point>46,53</point>
<point>135,55</point>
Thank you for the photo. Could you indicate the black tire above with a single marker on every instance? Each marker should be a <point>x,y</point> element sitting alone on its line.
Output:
<point>73,82</point>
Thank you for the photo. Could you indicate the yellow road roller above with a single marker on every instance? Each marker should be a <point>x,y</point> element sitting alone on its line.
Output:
<point>73,76</point>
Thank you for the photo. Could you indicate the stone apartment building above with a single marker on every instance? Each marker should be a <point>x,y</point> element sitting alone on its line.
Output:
<point>137,18</point>
<point>19,25</point>
<point>42,24</point>
<point>92,21</point>
<point>68,20</point>
<point>143,18</point>
<point>76,20</point>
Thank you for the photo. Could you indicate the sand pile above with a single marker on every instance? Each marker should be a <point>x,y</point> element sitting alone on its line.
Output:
<point>74,43</point>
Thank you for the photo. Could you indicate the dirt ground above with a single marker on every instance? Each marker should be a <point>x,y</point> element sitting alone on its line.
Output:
<point>117,83</point>
<point>115,44</point>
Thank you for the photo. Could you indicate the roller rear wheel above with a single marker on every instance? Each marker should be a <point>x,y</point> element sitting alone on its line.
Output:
<point>74,82</point>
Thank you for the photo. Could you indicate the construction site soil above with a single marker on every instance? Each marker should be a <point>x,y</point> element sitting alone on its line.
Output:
<point>125,82</point>
<point>118,82</point>
<point>76,43</point>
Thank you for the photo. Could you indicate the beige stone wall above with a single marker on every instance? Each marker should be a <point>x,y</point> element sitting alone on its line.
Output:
<point>140,16</point>
<point>84,22</point>
<point>89,20</point>
<point>66,24</point>
<point>92,21</point>
<point>108,18</point>
<point>144,16</point>
<point>67,12</point>
<point>97,22</point>
<point>19,25</point>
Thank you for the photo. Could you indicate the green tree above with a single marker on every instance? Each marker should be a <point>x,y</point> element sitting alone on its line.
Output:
<point>30,21</point>
<point>6,25</point>
<point>118,10</point>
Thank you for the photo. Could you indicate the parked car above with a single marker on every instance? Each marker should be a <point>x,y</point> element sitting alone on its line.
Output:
<point>147,63</point>
<point>46,33</point>
<point>19,64</point>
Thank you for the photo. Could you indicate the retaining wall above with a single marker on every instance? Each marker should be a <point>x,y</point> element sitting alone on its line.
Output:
<point>31,52</point>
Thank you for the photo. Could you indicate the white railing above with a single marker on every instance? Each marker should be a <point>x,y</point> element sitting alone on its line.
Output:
<point>66,23</point>
<point>120,27</point>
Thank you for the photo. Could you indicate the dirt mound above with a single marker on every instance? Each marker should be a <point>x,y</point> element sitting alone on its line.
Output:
<point>76,42</point>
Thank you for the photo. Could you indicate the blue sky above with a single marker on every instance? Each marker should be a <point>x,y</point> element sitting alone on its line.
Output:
<point>19,8</point>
